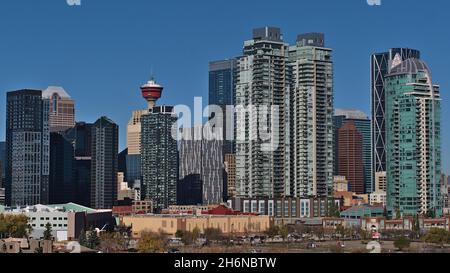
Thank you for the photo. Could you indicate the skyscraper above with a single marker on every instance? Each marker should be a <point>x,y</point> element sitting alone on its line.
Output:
<point>27,148</point>
<point>105,139</point>
<point>2,163</point>
<point>413,138</point>
<point>81,138</point>
<point>221,93</point>
<point>62,109</point>
<point>61,180</point>
<point>261,82</point>
<point>133,158</point>
<point>350,156</point>
<point>311,122</point>
<point>202,156</point>
<point>159,157</point>
<point>381,64</point>
<point>363,124</point>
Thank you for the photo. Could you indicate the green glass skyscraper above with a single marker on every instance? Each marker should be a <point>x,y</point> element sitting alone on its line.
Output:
<point>413,140</point>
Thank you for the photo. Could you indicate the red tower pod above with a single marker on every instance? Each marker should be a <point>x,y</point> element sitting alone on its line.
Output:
<point>151,91</point>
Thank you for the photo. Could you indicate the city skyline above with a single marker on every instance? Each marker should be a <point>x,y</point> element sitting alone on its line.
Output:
<point>222,40</point>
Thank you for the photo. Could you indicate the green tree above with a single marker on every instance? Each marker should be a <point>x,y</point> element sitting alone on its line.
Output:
<point>333,210</point>
<point>402,243</point>
<point>14,226</point>
<point>437,236</point>
<point>92,241</point>
<point>82,240</point>
<point>151,242</point>
<point>48,232</point>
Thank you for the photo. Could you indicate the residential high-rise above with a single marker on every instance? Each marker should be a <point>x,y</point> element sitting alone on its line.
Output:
<point>311,120</point>
<point>200,155</point>
<point>413,140</point>
<point>27,148</point>
<point>62,187</point>
<point>261,82</point>
<point>350,156</point>
<point>81,138</point>
<point>159,157</point>
<point>381,64</point>
<point>104,163</point>
<point>221,93</point>
<point>62,109</point>
<point>363,124</point>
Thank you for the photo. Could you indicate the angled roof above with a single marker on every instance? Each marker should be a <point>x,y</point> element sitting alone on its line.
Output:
<point>410,66</point>
<point>48,93</point>
<point>73,207</point>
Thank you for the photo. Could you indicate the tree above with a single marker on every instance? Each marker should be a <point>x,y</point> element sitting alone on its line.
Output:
<point>82,240</point>
<point>398,214</point>
<point>48,232</point>
<point>179,234</point>
<point>402,243</point>
<point>272,231</point>
<point>437,236</point>
<point>151,242</point>
<point>333,210</point>
<point>195,234</point>
<point>92,241</point>
<point>283,231</point>
<point>113,242</point>
<point>416,226</point>
<point>213,234</point>
<point>14,226</point>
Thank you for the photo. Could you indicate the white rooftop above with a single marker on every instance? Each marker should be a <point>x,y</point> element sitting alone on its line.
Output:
<point>48,93</point>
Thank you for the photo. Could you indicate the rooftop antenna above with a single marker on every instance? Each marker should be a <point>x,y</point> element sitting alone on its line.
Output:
<point>152,76</point>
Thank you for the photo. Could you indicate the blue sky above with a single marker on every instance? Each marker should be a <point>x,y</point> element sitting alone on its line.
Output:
<point>103,50</point>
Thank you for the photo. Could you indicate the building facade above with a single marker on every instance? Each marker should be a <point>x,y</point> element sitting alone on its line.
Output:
<point>2,163</point>
<point>62,187</point>
<point>261,82</point>
<point>230,174</point>
<point>311,105</point>
<point>105,141</point>
<point>413,137</point>
<point>81,138</point>
<point>200,155</point>
<point>381,64</point>
<point>159,157</point>
<point>133,158</point>
<point>221,93</point>
<point>363,124</point>
<point>350,156</point>
<point>27,148</point>
<point>62,109</point>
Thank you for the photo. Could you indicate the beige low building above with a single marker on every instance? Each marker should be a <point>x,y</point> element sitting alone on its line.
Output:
<point>170,224</point>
